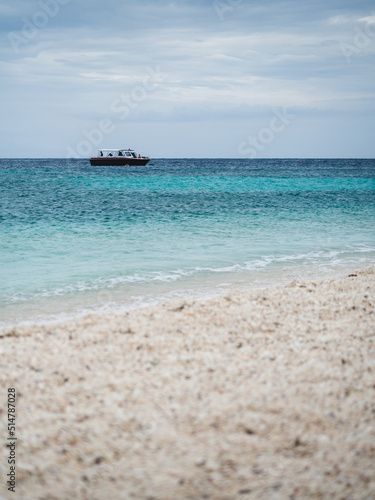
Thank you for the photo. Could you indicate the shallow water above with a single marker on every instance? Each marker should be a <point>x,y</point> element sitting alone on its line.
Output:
<point>76,238</point>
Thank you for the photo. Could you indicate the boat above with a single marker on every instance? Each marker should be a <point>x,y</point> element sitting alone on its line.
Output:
<point>119,157</point>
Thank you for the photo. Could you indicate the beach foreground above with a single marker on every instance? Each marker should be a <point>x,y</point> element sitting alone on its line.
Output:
<point>263,394</point>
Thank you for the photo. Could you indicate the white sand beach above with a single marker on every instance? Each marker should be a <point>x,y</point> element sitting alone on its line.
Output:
<point>265,394</point>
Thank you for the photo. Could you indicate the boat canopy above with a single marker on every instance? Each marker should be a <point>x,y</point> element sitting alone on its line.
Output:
<point>128,153</point>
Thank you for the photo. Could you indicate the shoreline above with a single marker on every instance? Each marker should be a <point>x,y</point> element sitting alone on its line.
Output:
<point>265,393</point>
<point>119,302</point>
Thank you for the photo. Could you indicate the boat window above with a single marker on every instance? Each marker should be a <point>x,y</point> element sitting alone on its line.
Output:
<point>134,155</point>
<point>127,153</point>
<point>120,153</point>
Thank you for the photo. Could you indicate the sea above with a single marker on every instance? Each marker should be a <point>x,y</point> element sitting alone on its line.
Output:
<point>76,239</point>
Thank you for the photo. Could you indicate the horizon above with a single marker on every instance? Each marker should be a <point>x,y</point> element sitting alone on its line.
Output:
<point>200,158</point>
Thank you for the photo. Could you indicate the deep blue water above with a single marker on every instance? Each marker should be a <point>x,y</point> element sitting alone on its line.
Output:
<point>75,237</point>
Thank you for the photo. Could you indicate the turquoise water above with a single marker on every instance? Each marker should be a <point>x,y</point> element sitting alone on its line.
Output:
<point>76,238</point>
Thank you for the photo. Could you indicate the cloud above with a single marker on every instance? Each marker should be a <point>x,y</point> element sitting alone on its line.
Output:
<point>258,55</point>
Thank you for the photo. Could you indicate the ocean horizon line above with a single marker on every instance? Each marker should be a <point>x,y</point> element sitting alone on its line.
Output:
<point>205,158</point>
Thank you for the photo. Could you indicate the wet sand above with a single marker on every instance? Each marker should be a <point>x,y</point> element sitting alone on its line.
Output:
<point>265,394</point>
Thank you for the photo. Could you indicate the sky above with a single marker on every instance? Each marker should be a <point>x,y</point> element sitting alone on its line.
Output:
<point>188,78</point>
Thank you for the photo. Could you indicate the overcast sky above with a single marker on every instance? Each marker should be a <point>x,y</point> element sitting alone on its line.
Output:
<point>188,78</point>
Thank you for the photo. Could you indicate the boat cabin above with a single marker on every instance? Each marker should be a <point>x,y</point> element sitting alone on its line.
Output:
<point>127,153</point>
